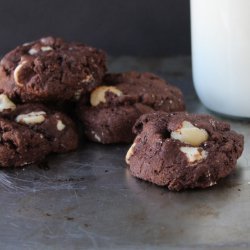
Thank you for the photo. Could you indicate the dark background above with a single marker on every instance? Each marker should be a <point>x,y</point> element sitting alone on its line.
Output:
<point>140,27</point>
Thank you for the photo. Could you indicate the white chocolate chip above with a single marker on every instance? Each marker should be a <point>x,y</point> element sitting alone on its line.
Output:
<point>130,153</point>
<point>88,79</point>
<point>98,95</point>
<point>190,134</point>
<point>46,48</point>
<point>6,103</point>
<point>60,125</point>
<point>194,154</point>
<point>33,51</point>
<point>31,118</point>
<point>17,73</point>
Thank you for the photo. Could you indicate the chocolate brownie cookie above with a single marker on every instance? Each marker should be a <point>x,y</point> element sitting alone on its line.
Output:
<point>181,150</point>
<point>29,132</point>
<point>110,112</point>
<point>51,69</point>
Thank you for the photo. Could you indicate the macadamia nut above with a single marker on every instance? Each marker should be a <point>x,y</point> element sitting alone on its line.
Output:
<point>46,48</point>
<point>98,95</point>
<point>33,51</point>
<point>190,134</point>
<point>130,153</point>
<point>194,154</point>
<point>6,103</point>
<point>60,125</point>
<point>17,73</point>
<point>31,118</point>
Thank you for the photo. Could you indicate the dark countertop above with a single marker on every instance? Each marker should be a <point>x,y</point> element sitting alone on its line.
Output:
<point>88,200</point>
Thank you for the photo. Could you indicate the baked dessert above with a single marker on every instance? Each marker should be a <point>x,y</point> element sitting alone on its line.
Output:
<point>30,132</point>
<point>51,69</point>
<point>181,150</point>
<point>110,111</point>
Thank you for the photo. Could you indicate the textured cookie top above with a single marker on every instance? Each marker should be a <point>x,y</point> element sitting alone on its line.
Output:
<point>29,132</point>
<point>181,150</point>
<point>134,87</point>
<point>51,69</point>
<point>194,130</point>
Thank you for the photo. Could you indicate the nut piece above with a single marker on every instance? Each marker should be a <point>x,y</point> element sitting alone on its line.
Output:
<point>6,103</point>
<point>190,134</point>
<point>98,95</point>
<point>60,125</point>
<point>17,74</point>
<point>130,153</point>
<point>194,154</point>
<point>31,118</point>
<point>46,48</point>
<point>33,51</point>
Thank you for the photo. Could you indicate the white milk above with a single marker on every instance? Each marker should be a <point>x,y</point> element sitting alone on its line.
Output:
<point>221,54</point>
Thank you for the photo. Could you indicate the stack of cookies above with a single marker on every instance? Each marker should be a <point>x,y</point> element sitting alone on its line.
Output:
<point>46,85</point>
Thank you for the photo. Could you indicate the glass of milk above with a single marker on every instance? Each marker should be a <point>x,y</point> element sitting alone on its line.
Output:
<point>221,54</point>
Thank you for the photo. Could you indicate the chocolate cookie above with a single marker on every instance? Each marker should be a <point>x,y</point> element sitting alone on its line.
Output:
<point>110,112</point>
<point>29,132</point>
<point>51,70</point>
<point>181,150</point>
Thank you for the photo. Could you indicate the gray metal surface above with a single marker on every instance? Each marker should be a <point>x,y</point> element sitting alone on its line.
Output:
<point>88,200</point>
